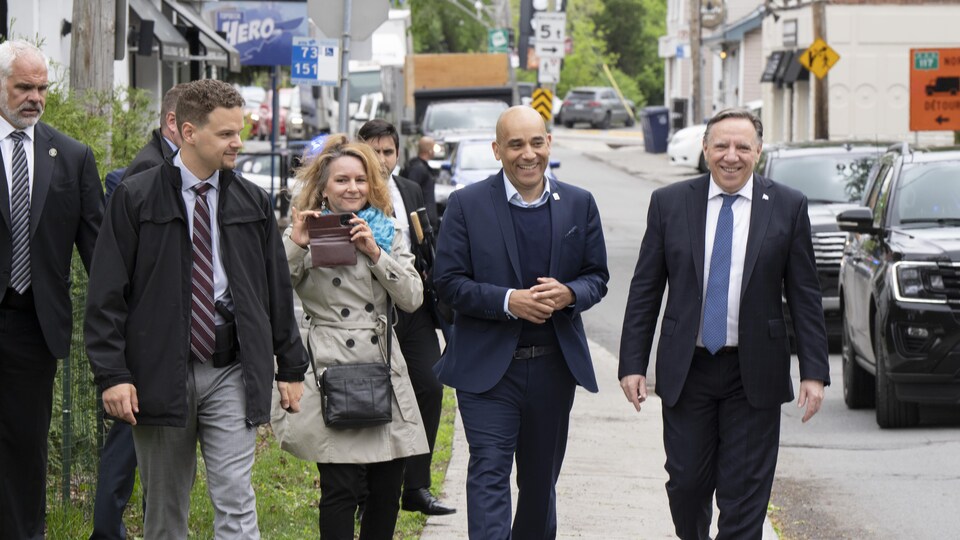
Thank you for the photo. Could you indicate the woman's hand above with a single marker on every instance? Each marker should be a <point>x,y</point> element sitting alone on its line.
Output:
<point>362,238</point>
<point>300,235</point>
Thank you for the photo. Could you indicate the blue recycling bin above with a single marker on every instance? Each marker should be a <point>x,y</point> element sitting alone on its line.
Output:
<point>655,122</point>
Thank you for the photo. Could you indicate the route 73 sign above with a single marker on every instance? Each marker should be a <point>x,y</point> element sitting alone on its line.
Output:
<point>549,30</point>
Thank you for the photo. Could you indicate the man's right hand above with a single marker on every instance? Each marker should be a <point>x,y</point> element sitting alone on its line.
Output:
<point>120,402</point>
<point>635,388</point>
<point>523,305</point>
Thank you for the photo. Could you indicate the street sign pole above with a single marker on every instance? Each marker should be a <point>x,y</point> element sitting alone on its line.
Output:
<point>345,68</point>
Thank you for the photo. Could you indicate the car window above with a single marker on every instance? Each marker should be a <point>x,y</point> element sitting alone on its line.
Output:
<point>927,194</point>
<point>871,200</point>
<point>883,196</point>
<point>835,178</point>
<point>581,95</point>
<point>463,116</point>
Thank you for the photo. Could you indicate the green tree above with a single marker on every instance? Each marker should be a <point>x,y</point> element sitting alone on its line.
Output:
<point>584,66</point>
<point>439,26</point>
<point>633,27</point>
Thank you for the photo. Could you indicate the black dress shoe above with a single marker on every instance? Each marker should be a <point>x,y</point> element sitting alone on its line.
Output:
<point>421,500</point>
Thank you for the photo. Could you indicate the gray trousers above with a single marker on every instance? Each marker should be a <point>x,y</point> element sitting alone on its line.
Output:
<point>167,457</point>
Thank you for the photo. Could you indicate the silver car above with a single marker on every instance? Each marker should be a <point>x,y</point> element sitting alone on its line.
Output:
<point>598,105</point>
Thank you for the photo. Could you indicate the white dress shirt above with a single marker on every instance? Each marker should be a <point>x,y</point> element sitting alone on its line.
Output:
<point>6,148</point>
<point>741,228</point>
<point>221,291</point>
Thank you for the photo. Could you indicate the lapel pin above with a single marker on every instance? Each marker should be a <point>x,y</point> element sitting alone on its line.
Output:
<point>556,196</point>
<point>53,152</point>
<point>765,197</point>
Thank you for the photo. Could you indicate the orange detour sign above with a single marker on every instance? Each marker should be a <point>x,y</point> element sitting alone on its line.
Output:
<point>934,89</point>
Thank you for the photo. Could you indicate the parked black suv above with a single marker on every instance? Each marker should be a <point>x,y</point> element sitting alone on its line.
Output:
<point>900,287</point>
<point>831,175</point>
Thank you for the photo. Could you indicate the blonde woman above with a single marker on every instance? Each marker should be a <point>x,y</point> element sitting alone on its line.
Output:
<point>347,311</point>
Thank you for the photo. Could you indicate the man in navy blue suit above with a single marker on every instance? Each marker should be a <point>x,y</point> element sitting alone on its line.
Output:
<point>519,258</point>
<point>730,245</point>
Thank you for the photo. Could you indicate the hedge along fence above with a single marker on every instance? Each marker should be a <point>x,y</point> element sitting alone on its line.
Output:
<point>77,435</point>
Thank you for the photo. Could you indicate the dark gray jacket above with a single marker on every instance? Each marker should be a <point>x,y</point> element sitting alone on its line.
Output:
<point>138,305</point>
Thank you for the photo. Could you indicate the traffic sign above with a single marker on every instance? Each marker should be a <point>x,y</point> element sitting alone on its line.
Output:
<point>543,102</point>
<point>365,17</point>
<point>315,61</point>
<point>498,40</point>
<point>819,58</point>
<point>548,72</point>
<point>934,89</point>
<point>549,31</point>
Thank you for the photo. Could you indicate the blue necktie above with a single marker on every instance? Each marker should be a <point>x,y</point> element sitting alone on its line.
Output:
<point>718,283</point>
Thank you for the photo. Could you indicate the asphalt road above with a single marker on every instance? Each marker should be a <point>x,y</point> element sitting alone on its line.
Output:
<point>839,475</point>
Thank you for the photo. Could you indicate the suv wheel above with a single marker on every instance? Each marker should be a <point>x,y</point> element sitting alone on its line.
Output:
<point>891,412</point>
<point>630,121</point>
<point>568,124</point>
<point>858,384</point>
<point>605,123</point>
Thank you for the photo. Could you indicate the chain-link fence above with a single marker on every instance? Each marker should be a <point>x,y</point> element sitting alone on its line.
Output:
<point>76,433</point>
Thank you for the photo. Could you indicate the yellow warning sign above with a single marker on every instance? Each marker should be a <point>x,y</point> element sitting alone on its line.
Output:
<point>543,103</point>
<point>819,58</point>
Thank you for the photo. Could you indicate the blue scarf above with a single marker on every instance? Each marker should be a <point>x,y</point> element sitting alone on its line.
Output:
<point>380,225</point>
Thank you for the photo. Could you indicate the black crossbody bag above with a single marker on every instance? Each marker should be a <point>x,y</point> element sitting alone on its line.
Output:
<point>357,395</point>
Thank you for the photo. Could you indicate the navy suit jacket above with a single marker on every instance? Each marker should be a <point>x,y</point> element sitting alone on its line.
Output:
<point>66,208</point>
<point>779,263</point>
<point>478,261</point>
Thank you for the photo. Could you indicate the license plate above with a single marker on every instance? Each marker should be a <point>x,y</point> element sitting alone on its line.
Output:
<point>579,106</point>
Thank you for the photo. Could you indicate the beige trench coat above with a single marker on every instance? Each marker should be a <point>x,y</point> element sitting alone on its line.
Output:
<point>347,310</point>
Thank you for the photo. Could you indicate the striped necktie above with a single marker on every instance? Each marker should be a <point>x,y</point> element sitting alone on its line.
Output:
<point>202,324</point>
<point>20,216</point>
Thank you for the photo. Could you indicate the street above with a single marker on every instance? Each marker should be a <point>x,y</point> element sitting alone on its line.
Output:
<point>839,475</point>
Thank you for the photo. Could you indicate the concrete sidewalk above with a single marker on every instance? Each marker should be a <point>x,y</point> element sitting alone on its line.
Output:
<point>612,484</point>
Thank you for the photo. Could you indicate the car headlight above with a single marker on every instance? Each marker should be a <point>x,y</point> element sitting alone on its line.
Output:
<point>919,282</point>
<point>439,151</point>
<point>254,117</point>
<point>296,120</point>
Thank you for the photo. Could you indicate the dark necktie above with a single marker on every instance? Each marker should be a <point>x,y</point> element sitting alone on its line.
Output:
<point>202,324</point>
<point>718,282</point>
<point>20,216</point>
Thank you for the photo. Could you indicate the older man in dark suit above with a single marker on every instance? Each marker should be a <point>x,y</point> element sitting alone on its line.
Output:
<point>519,258</point>
<point>731,245</point>
<point>50,200</point>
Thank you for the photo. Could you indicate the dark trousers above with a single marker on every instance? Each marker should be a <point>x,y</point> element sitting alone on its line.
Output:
<point>27,370</point>
<point>342,486</point>
<point>526,414</point>
<point>421,350</point>
<point>118,468</point>
<point>715,441</point>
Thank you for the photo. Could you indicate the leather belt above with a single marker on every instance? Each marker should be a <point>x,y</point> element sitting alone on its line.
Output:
<point>722,351</point>
<point>533,351</point>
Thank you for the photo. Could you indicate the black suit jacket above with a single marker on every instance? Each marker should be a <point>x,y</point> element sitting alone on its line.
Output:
<point>779,262</point>
<point>419,172</point>
<point>412,199</point>
<point>66,208</point>
<point>155,152</point>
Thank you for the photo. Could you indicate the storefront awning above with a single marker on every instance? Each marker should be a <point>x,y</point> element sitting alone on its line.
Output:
<point>795,70</point>
<point>172,46</point>
<point>772,66</point>
<point>734,32</point>
<point>218,50</point>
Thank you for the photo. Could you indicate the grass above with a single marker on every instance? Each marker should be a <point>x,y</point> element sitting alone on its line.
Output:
<point>287,489</point>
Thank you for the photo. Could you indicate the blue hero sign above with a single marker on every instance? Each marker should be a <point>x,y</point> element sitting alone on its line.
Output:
<point>260,31</point>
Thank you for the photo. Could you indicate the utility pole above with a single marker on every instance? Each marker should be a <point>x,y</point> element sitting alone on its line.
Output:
<point>696,90</point>
<point>92,47</point>
<point>821,110</point>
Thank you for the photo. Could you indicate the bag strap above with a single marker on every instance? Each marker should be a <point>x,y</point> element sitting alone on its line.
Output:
<point>388,334</point>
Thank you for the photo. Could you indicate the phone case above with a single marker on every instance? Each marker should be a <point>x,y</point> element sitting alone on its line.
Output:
<point>330,241</point>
